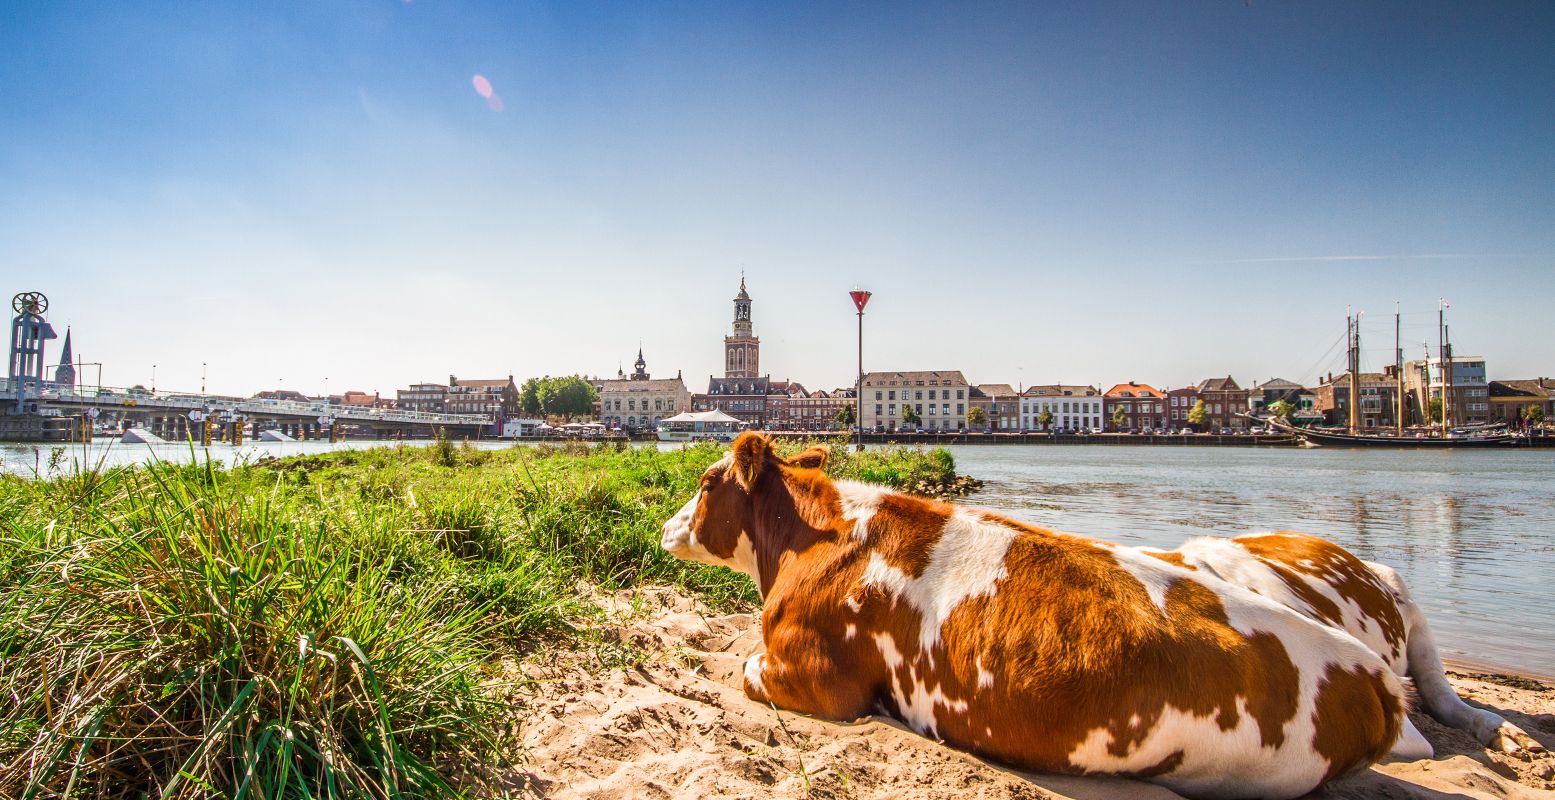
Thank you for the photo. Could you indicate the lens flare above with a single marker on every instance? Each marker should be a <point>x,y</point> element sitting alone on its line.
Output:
<point>483,88</point>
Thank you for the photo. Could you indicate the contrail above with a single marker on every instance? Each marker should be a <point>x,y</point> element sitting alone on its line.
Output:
<point>1310,259</point>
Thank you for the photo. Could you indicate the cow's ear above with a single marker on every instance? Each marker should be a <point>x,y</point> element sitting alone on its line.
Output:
<point>813,458</point>
<point>751,451</point>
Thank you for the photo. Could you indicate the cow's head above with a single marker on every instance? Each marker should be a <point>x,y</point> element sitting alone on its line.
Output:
<point>718,524</point>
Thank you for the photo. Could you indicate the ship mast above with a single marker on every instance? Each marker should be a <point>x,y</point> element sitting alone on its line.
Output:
<point>1443,362</point>
<point>1398,372</point>
<point>1355,358</point>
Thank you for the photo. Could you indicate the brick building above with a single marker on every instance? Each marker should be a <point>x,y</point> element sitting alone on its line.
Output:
<point>1143,406</point>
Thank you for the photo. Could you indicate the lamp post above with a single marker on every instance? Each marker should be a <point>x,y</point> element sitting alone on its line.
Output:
<point>153,378</point>
<point>860,299</point>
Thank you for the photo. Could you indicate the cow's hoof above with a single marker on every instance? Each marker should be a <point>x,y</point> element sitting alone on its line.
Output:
<point>1510,739</point>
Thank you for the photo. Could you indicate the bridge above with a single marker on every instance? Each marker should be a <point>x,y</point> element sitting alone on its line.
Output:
<point>178,414</point>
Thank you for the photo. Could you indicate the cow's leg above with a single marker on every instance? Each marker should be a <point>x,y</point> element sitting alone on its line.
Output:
<point>813,686</point>
<point>1430,679</point>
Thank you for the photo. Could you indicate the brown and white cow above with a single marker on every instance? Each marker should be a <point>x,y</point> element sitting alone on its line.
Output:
<point>1044,650</point>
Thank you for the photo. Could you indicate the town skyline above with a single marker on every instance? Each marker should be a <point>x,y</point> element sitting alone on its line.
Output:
<point>326,198</point>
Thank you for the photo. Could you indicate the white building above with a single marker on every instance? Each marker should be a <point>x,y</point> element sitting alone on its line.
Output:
<point>640,402</point>
<point>938,397</point>
<point>1073,408</point>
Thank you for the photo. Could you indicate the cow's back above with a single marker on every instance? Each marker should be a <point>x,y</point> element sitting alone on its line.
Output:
<point>1316,578</point>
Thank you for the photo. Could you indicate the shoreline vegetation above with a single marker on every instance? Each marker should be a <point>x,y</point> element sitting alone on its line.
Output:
<point>331,625</point>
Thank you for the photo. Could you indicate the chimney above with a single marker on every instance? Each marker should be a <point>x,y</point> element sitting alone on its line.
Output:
<point>452,380</point>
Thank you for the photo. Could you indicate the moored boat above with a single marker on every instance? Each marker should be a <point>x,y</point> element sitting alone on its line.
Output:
<point>700,426</point>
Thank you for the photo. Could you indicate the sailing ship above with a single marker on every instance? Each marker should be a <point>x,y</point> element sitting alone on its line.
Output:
<point>1446,436</point>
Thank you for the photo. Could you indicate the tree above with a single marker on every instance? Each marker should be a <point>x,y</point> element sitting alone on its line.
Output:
<point>1045,418</point>
<point>910,415</point>
<point>1119,417</point>
<point>1199,414</point>
<point>567,397</point>
<point>1282,408</point>
<point>1533,414</point>
<point>845,416</point>
<point>570,396</point>
<point>529,396</point>
<point>976,416</point>
<point>1433,410</point>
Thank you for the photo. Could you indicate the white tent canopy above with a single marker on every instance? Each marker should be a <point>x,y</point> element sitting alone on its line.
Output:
<point>703,416</point>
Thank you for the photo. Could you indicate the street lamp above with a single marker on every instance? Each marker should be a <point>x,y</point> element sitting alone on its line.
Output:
<point>860,299</point>
<point>202,377</point>
<point>153,378</point>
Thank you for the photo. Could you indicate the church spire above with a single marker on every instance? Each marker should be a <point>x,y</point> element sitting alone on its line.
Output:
<point>65,375</point>
<point>641,374</point>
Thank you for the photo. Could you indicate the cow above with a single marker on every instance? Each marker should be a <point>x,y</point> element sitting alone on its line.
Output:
<point>1044,650</point>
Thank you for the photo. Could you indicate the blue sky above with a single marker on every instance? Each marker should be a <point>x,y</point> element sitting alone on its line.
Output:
<point>295,192</point>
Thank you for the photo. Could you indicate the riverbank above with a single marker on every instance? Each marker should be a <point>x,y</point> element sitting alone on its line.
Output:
<point>336,620</point>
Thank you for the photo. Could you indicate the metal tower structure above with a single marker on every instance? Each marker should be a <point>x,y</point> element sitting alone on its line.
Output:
<point>28,333</point>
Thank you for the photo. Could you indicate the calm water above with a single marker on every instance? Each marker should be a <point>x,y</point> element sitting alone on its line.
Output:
<point>1470,531</point>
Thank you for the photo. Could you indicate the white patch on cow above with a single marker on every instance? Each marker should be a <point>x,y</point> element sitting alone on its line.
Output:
<point>967,562</point>
<point>745,558</point>
<point>1412,745</point>
<point>753,669</point>
<point>1215,762</point>
<point>1226,559</point>
<point>852,603</point>
<point>915,703</point>
<point>1155,575</point>
<point>850,631</point>
<point>860,501</point>
<point>984,677</point>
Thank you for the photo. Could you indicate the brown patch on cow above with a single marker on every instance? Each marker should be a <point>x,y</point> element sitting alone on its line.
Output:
<point>1294,555</point>
<point>1357,719</point>
<point>1171,557</point>
<point>905,529</point>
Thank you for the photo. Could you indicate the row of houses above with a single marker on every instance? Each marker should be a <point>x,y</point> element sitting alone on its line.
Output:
<point>944,400</point>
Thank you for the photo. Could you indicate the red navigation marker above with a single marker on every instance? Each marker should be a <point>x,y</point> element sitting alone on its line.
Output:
<point>860,299</point>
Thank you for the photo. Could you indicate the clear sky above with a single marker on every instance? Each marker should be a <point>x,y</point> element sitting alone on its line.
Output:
<point>1078,192</point>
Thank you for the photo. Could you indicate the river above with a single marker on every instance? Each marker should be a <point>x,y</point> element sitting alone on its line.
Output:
<point>1471,531</point>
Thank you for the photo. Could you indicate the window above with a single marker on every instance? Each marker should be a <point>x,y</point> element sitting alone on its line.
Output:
<point>919,408</point>
<point>891,395</point>
<point>960,394</point>
<point>919,394</point>
<point>931,394</point>
<point>960,409</point>
<point>1066,407</point>
<point>877,408</point>
<point>893,409</point>
<point>877,397</point>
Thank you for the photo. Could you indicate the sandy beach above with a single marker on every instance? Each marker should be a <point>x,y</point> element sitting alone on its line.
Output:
<point>657,711</point>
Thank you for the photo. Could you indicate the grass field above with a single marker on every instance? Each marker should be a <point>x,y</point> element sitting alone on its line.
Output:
<point>324,626</point>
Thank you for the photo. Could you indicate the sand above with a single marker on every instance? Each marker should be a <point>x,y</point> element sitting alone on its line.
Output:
<point>656,710</point>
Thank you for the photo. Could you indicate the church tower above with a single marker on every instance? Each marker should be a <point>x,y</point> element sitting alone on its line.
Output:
<point>742,351</point>
<point>65,374</point>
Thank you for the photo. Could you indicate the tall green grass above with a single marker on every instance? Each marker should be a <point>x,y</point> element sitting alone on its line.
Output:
<point>327,626</point>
